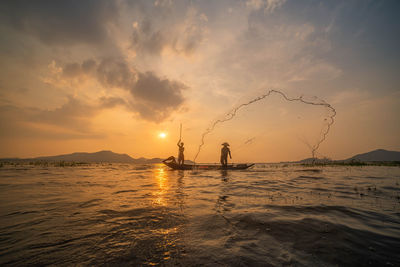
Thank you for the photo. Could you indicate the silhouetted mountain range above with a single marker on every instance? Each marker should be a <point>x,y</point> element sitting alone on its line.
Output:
<point>101,156</point>
<point>378,155</point>
<point>109,156</point>
<point>313,160</point>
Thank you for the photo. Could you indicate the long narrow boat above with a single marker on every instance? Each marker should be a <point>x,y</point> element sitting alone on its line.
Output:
<point>170,162</point>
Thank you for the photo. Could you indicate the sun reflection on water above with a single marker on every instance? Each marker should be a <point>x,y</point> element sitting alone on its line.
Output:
<point>163,186</point>
<point>169,233</point>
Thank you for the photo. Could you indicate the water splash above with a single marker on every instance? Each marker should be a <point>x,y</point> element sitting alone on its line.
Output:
<point>231,114</point>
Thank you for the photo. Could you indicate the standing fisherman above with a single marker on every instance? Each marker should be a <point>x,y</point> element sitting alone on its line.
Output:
<point>224,154</point>
<point>181,157</point>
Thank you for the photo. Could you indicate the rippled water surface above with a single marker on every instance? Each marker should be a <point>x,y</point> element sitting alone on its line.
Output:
<point>120,214</point>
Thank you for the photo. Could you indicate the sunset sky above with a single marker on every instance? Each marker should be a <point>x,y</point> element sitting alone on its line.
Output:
<point>84,76</point>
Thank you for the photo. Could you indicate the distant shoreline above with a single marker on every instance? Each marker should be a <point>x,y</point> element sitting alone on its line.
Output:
<point>281,164</point>
<point>379,157</point>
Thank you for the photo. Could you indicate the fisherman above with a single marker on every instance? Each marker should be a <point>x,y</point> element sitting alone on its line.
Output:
<point>170,159</point>
<point>181,157</point>
<point>224,154</point>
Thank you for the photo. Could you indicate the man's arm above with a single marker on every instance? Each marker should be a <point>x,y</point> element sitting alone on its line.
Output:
<point>229,151</point>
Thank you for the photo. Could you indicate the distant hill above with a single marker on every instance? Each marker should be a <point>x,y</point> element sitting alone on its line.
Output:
<point>109,156</point>
<point>377,155</point>
<point>146,161</point>
<point>101,156</point>
<point>313,160</point>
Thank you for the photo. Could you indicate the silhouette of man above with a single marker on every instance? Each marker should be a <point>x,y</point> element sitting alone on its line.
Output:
<point>181,157</point>
<point>224,154</point>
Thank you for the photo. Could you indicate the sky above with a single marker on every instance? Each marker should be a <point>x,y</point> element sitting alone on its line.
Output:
<point>84,76</point>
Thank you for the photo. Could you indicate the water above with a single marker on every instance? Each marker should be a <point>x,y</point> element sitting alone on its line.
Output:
<point>272,215</point>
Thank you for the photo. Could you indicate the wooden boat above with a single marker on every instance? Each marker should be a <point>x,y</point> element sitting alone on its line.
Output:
<point>171,162</point>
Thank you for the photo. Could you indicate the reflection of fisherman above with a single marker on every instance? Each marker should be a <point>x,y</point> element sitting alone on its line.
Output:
<point>224,154</point>
<point>181,157</point>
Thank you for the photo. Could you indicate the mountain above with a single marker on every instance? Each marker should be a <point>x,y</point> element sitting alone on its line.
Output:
<point>109,156</point>
<point>377,155</point>
<point>313,160</point>
<point>101,156</point>
<point>146,161</point>
<point>153,160</point>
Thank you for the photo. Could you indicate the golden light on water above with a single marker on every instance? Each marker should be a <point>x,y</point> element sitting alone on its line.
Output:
<point>162,182</point>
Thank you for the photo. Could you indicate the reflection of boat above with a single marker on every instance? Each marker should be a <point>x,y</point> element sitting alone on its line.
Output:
<point>171,162</point>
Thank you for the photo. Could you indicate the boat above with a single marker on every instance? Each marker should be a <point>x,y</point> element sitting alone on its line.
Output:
<point>171,162</point>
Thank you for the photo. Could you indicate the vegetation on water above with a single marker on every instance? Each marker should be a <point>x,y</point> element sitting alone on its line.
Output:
<point>353,163</point>
<point>44,163</point>
<point>317,163</point>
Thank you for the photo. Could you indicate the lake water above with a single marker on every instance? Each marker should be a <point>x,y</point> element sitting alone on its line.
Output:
<point>271,215</point>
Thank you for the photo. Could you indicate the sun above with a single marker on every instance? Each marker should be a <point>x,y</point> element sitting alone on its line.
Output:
<point>162,135</point>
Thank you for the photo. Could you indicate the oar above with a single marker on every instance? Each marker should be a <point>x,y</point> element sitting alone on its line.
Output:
<point>180,133</point>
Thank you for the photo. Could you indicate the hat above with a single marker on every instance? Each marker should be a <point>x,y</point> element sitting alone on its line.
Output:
<point>225,144</point>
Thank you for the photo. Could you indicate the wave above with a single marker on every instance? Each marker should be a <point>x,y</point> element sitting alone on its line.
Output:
<point>148,215</point>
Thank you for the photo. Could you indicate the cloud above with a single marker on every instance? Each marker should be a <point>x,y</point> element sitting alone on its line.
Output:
<point>351,96</point>
<point>268,6</point>
<point>70,121</point>
<point>73,119</point>
<point>162,92</point>
<point>115,73</point>
<point>163,3</point>
<point>73,113</point>
<point>111,102</point>
<point>61,22</point>
<point>271,5</point>
<point>275,51</point>
<point>153,98</point>
<point>72,70</point>
<point>184,36</point>
<point>255,4</point>
<point>145,39</point>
